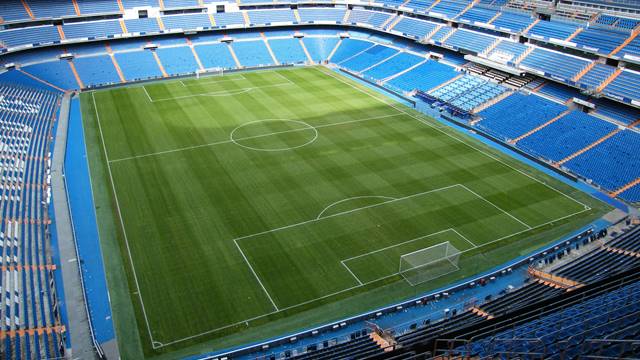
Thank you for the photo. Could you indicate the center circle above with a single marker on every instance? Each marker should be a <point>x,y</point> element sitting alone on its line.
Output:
<point>293,133</point>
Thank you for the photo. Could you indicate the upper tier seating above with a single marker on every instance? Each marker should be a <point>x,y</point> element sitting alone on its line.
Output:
<point>31,35</point>
<point>423,77</point>
<point>12,10</point>
<point>613,163</point>
<point>147,25</point>
<point>168,4</point>
<point>517,114</point>
<point>507,52</point>
<point>555,63</point>
<point>373,18</point>
<point>564,137</point>
<point>632,49</point>
<point>48,9</point>
<point>288,51</point>
<point>613,110</point>
<point>192,21</point>
<point>93,29</point>
<point>600,40</point>
<point>227,19</point>
<point>477,14</point>
<point>512,22</point>
<point>448,8</point>
<point>552,29</point>
<point>320,48</point>
<point>596,76</point>
<point>368,58</point>
<point>97,7</point>
<point>414,27</point>
<point>625,86</point>
<point>271,16</point>
<point>420,5</point>
<point>469,40</point>
<point>321,14</point>
<point>393,66</point>
<point>561,92</point>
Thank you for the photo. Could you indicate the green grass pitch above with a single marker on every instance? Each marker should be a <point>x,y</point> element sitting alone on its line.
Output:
<point>259,202</point>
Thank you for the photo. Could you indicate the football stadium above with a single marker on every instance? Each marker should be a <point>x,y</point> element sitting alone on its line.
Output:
<point>314,179</point>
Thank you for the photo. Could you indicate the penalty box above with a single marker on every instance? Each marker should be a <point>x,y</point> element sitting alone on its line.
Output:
<point>300,263</point>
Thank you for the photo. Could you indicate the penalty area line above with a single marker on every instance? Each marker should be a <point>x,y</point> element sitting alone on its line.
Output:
<point>246,321</point>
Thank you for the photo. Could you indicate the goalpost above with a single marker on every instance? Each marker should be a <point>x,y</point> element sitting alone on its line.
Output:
<point>209,72</point>
<point>429,263</point>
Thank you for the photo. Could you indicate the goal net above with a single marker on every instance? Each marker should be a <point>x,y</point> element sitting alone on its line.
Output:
<point>209,72</point>
<point>429,263</point>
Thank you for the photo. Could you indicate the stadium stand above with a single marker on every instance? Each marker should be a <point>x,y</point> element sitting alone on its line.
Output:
<point>252,53</point>
<point>368,58</point>
<point>625,86</point>
<point>96,70</point>
<point>612,163</point>
<point>137,65</point>
<point>29,302</point>
<point>518,114</point>
<point>552,30</point>
<point>424,77</point>
<point>554,63</point>
<point>393,66</point>
<point>320,48</point>
<point>215,56</point>
<point>349,48</point>
<point>321,14</point>
<point>414,27</point>
<point>564,137</point>
<point>600,147</point>
<point>271,16</point>
<point>373,18</point>
<point>288,51</point>
<point>177,60</point>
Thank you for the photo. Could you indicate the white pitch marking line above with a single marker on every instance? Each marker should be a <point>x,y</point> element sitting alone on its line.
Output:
<point>353,198</point>
<point>465,238</point>
<point>256,275</point>
<point>351,272</point>
<point>354,287</point>
<point>209,80</point>
<point>344,212</point>
<point>229,141</point>
<point>395,245</point>
<point>439,129</point>
<point>496,206</point>
<point>124,232</point>
<point>586,208</point>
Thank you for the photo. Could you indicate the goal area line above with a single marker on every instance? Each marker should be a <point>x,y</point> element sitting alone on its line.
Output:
<point>157,344</point>
<point>245,322</point>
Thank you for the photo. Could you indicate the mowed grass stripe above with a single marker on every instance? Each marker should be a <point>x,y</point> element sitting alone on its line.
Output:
<point>182,210</point>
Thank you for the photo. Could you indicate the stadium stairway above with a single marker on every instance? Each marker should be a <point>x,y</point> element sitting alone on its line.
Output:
<point>589,147</point>
<point>625,188</point>
<point>535,130</point>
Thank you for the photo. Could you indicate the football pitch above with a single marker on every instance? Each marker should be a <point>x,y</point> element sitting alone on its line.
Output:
<point>260,198</point>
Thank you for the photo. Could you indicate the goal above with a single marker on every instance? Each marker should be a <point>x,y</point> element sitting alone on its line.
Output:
<point>209,72</point>
<point>429,263</point>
